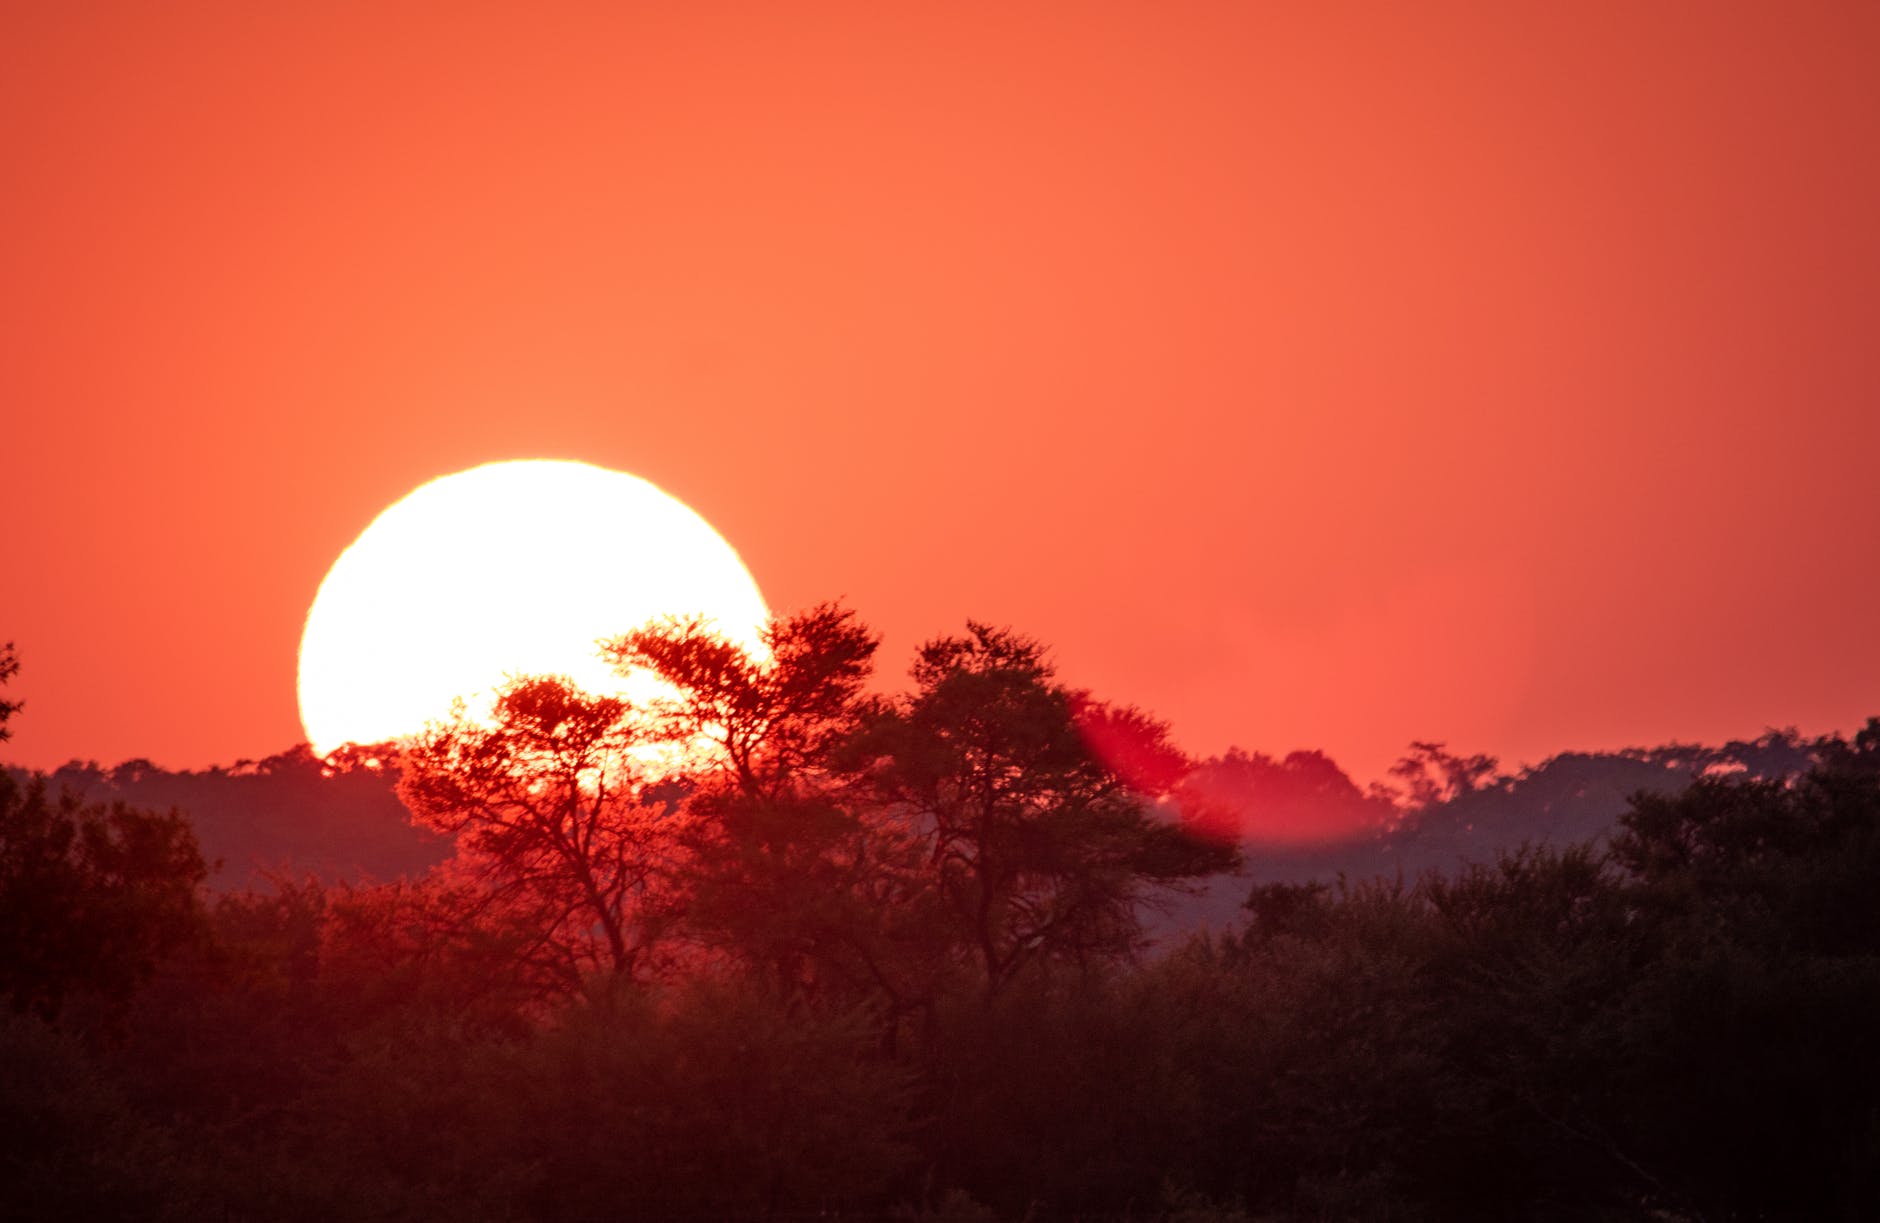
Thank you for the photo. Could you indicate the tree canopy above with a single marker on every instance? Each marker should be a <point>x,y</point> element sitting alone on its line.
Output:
<point>776,942</point>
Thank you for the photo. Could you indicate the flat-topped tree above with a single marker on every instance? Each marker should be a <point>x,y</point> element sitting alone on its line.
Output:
<point>765,722</point>
<point>807,887</point>
<point>1038,847</point>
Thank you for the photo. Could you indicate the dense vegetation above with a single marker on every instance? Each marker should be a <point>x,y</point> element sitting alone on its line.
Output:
<point>838,955</point>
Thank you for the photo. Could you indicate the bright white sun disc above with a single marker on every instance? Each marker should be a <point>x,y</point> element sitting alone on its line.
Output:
<point>514,568</point>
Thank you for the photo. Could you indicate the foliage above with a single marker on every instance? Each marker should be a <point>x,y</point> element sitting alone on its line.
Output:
<point>9,667</point>
<point>1431,774</point>
<point>771,719</point>
<point>882,960</point>
<point>805,889</point>
<point>560,826</point>
<point>71,1145</point>
<point>1767,924</point>
<point>90,896</point>
<point>1038,851</point>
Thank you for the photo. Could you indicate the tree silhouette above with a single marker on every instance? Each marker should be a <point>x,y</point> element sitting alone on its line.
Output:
<point>91,896</point>
<point>560,821</point>
<point>1431,774</point>
<point>769,718</point>
<point>1038,850</point>
<point>9,667</point>
<point>793,872</point>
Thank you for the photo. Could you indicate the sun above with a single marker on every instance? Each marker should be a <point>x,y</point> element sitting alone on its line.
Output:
<point>515,568</point>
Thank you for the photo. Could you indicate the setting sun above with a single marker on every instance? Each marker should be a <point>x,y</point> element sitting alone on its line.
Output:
<point>505,569</point>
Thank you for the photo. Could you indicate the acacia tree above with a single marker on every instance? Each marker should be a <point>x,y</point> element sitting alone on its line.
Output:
<point>561,822</point>
<point>1038,848</point>
<point>791,876</point>
<point>766,721</point>
<point>1432,775</point>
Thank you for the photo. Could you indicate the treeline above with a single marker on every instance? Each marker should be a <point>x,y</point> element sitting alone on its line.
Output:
<point>777,948</point>
<point>290,815</point>
<point>1298,816</point>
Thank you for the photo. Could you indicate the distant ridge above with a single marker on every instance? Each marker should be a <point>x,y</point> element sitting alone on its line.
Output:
<point>286,816</point>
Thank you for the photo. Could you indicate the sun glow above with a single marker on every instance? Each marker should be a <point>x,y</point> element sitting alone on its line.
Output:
<point>514,568</point>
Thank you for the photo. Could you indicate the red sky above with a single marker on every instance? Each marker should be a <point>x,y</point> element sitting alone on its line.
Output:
<point>1312,375</point>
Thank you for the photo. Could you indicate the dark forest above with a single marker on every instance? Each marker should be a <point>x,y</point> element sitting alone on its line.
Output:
<point>987,947</point>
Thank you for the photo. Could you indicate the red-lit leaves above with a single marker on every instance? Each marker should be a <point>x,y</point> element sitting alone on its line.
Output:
<point>557,818</point>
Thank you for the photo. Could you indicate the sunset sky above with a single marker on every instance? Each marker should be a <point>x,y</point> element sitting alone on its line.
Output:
<point>1312,375</point>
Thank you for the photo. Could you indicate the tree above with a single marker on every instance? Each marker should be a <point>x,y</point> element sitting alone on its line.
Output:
<point>766,720</point>
<point>560,822</point>
<point>1431,775</point>
<point>91,896</point>
<point>1751,1032</point>
<point>1038,851</point>
<point>790,875</point>
<point>9,667</point>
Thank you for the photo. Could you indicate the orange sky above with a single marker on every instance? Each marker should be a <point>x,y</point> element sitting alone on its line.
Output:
<point>1312,375</point>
